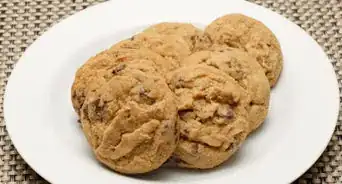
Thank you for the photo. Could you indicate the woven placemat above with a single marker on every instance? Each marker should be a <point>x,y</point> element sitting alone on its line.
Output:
<point>22,21</point>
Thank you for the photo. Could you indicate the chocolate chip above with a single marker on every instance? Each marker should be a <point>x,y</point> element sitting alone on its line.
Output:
<point>204,60</point>
<point>180,83</point>
<point>183,112</point>
<point>132,38</point>
<point>193,38</point>
<point>233,103</point>
<point>142,91</point>
<point>229,114</point>
<point>145,97</point>
<point>118,68</point>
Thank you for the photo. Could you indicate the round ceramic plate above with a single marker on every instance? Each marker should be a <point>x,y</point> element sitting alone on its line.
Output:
<point>44,128</point>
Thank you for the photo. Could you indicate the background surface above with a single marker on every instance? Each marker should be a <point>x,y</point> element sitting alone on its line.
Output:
<point>22,21</point>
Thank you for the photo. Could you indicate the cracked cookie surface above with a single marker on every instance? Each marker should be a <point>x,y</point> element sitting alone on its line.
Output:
<point>195,37</point>
<point>246,33</point>
<point>96,67</point>
<point>172,47</point>
<point>130,120</point>
<point>246,71</point>
<point>212,115</point>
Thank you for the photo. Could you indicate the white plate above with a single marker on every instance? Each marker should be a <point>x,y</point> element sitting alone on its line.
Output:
<point>42,123</point>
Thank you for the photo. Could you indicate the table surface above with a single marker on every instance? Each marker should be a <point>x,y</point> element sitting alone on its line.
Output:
<point>22,21</point>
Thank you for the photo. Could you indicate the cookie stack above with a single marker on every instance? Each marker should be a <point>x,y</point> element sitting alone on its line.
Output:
<point>175,92</point>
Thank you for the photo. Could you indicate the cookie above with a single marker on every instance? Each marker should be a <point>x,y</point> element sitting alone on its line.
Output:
<point>195,37</point>
<point>246,71</point>
<point>130,120</point>
<point>97,66</point>
<point>171,47</point>
<point>124,55</point>
<point>240,31</point>
<point>212,115</point>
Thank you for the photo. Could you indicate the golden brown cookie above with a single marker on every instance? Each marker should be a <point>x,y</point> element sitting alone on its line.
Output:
<point>246,33</point>
<point>130,120</point>
<point>171,47</point>
<point>246,71</point>
<point>212,115</point>
<point>195,37</point>
<point>98,65</point>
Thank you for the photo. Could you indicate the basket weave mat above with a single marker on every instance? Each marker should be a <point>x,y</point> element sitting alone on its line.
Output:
<point>22,21</point>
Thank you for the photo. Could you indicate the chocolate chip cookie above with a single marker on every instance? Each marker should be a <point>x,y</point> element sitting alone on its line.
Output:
<point>246,33</point>
<point>212,115</point>
<point>245,70</point>
<point>130,119</point>
<point>96,67</point>
<point>195,37</point>
<point>171,47</point>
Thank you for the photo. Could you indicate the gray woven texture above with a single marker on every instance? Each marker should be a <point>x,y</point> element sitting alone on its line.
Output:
<point>22,21</point>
